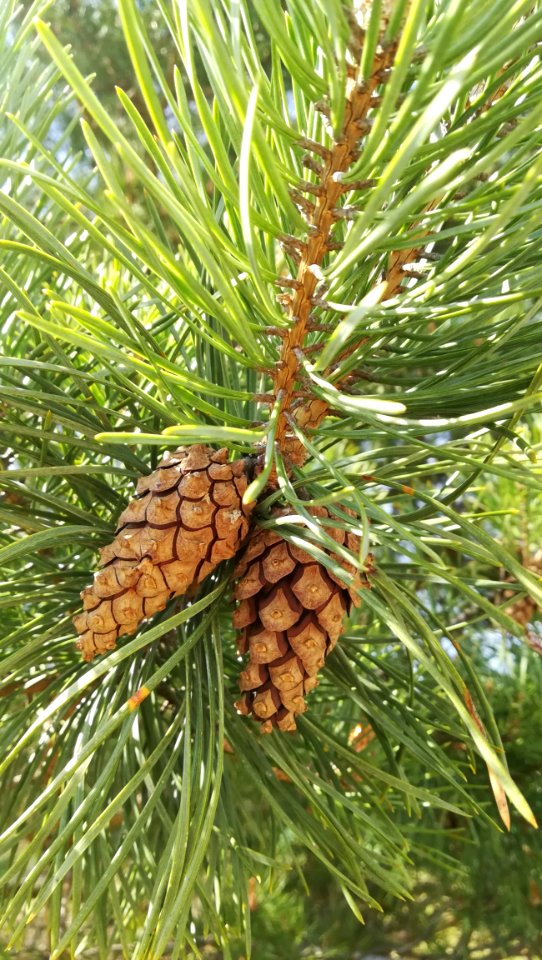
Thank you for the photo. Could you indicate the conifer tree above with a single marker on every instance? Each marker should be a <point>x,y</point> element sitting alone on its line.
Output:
<point>270,345</point>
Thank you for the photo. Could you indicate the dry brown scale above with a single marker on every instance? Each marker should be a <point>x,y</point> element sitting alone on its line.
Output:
<point>187,517</point>
<point>291,613</point>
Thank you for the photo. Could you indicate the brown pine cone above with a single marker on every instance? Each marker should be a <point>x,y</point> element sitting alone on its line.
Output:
<point>187,516</point>
<point>524,610</point>
<point>291,613</point>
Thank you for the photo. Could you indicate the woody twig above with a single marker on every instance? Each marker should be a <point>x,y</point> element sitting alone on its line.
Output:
<point>322,209</point>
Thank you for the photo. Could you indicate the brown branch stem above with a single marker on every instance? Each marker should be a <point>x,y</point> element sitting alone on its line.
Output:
<point>335,163</point>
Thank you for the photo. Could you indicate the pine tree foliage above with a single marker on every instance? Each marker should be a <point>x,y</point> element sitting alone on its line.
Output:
<point>138,319</point>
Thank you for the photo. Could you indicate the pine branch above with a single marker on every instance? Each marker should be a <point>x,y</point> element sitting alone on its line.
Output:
<point>138,311</point>
<point>322,214</point>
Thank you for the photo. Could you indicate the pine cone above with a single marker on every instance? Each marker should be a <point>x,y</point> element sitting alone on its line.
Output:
<point>187,516</point>
<point>524,610</point>
<point>291,613</point>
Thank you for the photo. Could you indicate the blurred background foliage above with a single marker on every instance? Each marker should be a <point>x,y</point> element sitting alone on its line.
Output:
<point>476,889</point>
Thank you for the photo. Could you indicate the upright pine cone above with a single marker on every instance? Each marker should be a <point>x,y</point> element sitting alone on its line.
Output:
<point>291,613</point>
<point>187,516</point>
